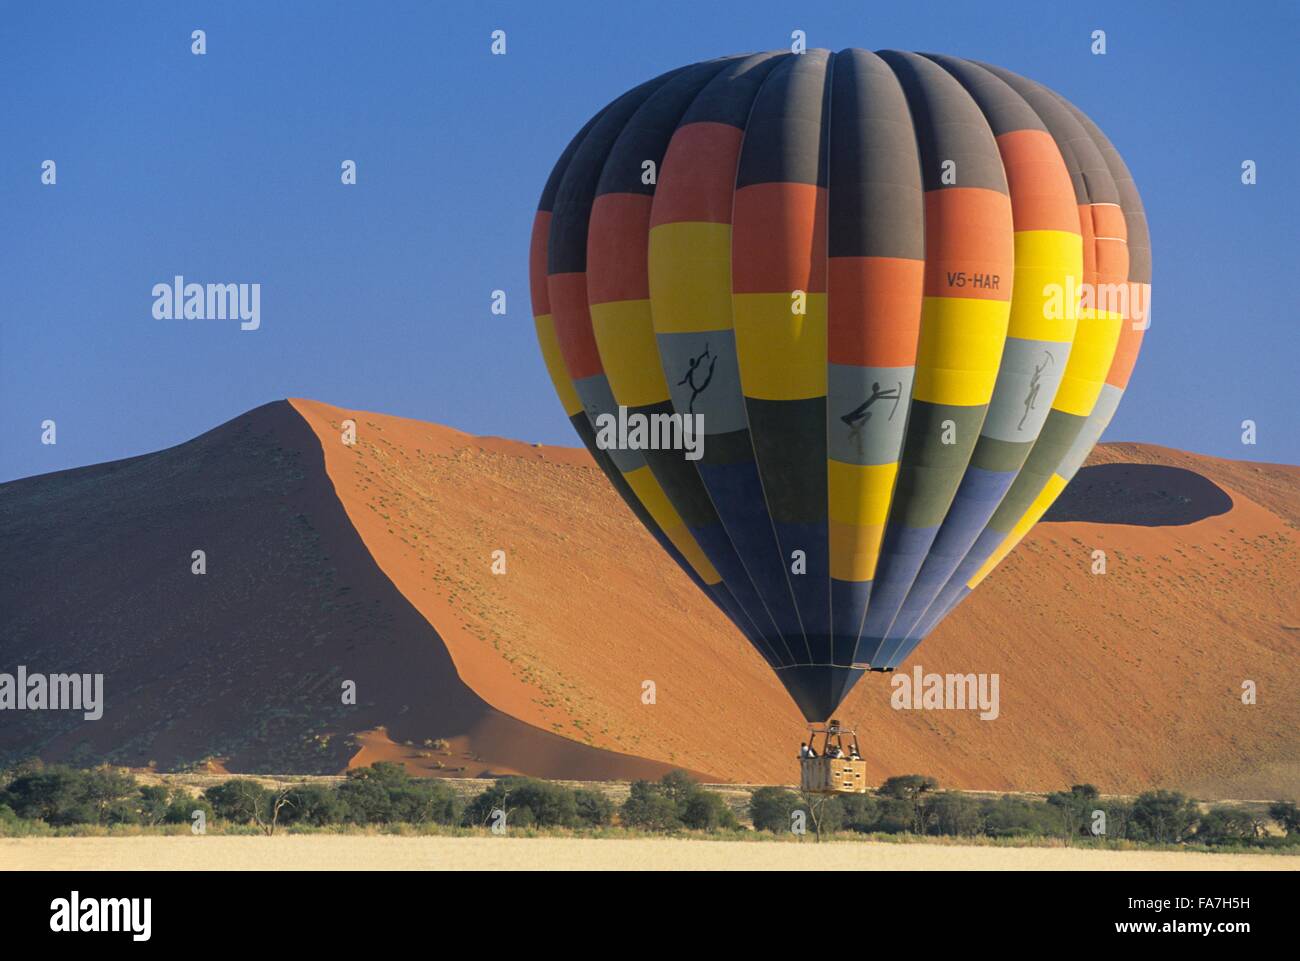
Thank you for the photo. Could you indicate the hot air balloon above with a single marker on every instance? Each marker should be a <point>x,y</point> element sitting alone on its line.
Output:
<point>873,280</point>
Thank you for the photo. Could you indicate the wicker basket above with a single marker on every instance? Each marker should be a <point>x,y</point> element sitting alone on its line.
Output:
<point>833,775</point>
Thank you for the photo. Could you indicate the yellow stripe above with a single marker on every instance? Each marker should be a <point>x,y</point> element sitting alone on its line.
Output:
<point>1051,490</point>
<point>855,551</point>
<point>859,497</point>
<point>625,336</point>
<point>959,350</point>
<point>690,277</point>
<point>652,497</point>
<point>782,354</point>
<point>1090,357</point>
<point>1049,270</point>
<point>860,493</point>
<point>550,345</point>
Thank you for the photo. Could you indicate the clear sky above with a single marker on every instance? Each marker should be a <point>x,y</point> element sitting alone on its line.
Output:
<point>226,168</point>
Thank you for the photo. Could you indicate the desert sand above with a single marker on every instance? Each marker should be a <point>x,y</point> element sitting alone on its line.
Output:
<point>316,852</point>
<point>372,563</point>
<point>1130,679</point>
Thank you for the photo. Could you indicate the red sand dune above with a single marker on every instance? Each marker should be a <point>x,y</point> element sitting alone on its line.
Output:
<point>373,562</point>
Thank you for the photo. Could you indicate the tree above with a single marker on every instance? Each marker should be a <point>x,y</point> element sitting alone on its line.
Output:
<point>858,812</point>
<point>237,801</point>
<point>954,813</point>
<point>1011,816</point>
<point>1224,825</point>
<point>708,811</point>
<point>649,807</point>
<point>1286,814</point>
<point>54,794</point>
<point>594,808</point>
<point>385,793</point>
<point>772,809</point>
<point>911,788</point>
<point>1075,807</point>
<point>1164,816</point>
<point>315,804</point>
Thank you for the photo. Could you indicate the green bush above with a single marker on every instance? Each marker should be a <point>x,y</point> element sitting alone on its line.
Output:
<point>673,802</point>
<point>708,811</point>
<point>858,812</point>
<point>60,795</point>
<point>239,800</point>
<point>1011,816</point>
<point>1225,825</point>
<point>594,808</point>
<point>316,805</point>
<point>385,794</point>
<point>1075,807</point>
<point>1165,817</point>
<point>1287,815</point>
<point>527,802</point>
<point>953,813</point>
<point>648,807</point>
<point>772,809</point>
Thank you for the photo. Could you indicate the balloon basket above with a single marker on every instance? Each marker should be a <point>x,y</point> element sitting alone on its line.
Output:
<point>835,769</point>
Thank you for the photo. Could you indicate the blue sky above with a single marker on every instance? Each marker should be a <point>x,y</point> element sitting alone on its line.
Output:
<point>225,168</point>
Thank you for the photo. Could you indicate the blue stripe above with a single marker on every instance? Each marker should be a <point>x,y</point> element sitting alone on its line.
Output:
<point>977,498</point>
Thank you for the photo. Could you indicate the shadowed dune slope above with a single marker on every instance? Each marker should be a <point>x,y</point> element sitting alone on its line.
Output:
<point>245,662</point>
<point>1130,679</point>
<point>592,656</point>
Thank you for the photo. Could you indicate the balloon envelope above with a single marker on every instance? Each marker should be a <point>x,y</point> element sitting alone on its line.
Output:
<point>839,328</point>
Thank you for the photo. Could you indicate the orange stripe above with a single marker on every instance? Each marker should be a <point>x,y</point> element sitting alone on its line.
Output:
<point>618,242</point>
<point>779,241</point>
<point>573,324</point>
<point>1130,340</point>
<point>874,311</point>
<point>1089,244</point>
<point>969,248</point>
<point>537,263</point>
<point>698,174</point>
<point>1042,196</point>
<point>1112,261</point>
<point>1108,221</point>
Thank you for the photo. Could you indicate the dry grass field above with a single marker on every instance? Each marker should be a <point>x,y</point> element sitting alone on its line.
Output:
<point>371,852</point>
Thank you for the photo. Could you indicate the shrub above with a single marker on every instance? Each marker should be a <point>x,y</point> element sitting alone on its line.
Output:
<point>858,812</point>
<point>1011,816</point>
<point>954,813</point>
<point>894,816</point>
<point>771,808</point>
<point>527,802</point>
<point>314,804</point>
<point>912,789</point>
<point>594,808</point>
<point>1164,816</point>
<point>1075,808</point>
<point>1287,815</point>
<point>62,795</point>
<point>650,808</point>
<point>1224,825</point>
<point>385,794</point>
<point>239,800</point>
<point>708,811</point>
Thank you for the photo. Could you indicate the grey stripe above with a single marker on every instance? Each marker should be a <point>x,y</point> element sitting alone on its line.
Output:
<point>1092,430</point>
<point>872,434</point>
<point>1020,402</point>
<point>597,398</point>
<point>716,377</point>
